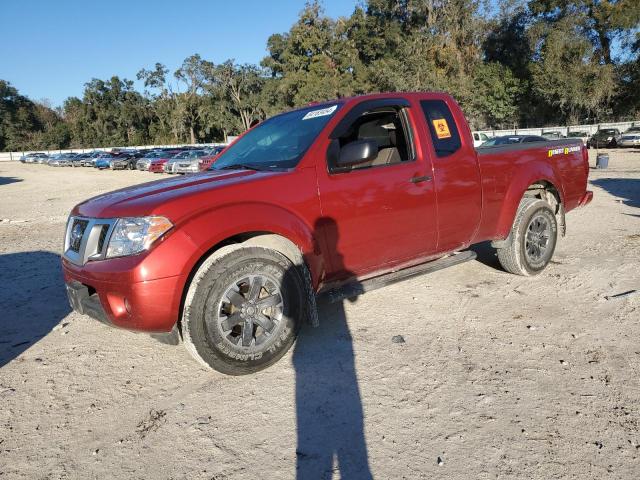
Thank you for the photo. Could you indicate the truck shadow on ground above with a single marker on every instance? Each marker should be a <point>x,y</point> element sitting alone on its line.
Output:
<point>32,300</point>
<point>628,189</point>
<point>329,413</point>
<point>487,255</point>
<point>8,180</point>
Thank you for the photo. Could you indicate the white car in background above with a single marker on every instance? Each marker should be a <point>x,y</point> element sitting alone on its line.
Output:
<point>630,138</point>
<point>552,135</point>
<point>479,138</point>
<point>584,136</point>
<point>183,162</point>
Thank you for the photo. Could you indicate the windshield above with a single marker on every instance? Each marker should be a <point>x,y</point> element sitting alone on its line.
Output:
<point>278,142</point>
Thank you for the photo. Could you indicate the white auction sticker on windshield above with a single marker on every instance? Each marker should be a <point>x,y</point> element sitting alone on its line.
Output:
<point>320,113</point>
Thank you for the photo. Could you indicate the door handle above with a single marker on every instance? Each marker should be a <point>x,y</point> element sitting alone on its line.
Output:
<point>426,178</point>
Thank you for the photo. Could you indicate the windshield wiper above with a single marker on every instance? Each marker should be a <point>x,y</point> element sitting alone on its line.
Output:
<point>241,166</point>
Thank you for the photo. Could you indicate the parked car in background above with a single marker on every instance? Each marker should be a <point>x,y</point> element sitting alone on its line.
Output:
<point>81,158</point>
<point>479,138</point>
<point>103,160</point>
<point>89,158</point>
<point>102,163</point>
<point>584,136</point>
<point>183,158</point>
<point>33,157</point>
<point>169,166</point>
<point>143,162</point>
<point>204,163</point>
<point>157,164</point>
<point>132,157</point>
<point>629,139</point>
<point>120,161</point>
<point>604,138</point>
<point>61,160</point>
<point>192,163</point>
<point>77,160</point>
<point>42,158</point>
<point>511,139</point>
<point>553,135</point>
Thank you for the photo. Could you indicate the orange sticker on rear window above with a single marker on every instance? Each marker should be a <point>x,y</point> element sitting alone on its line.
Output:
<point>442,128</point>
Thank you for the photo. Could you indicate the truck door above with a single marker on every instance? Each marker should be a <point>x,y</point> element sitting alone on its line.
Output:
<point>457,182</point>
<point>383,210</point>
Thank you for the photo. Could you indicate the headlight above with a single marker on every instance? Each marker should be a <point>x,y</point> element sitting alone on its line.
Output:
<point>133,235</point>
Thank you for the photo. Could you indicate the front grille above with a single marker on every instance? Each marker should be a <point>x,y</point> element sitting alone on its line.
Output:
<point>102,237</point>
<point>77,232</point>
<point>87,239</point>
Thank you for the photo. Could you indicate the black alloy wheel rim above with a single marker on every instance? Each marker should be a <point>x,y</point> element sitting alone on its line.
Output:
<point>250,312</point>
<point>537,238</point>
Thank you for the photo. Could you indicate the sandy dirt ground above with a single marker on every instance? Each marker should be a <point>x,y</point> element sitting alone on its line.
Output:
<point>499,376</point>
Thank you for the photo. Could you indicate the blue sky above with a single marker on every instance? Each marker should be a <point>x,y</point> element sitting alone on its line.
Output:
<point>50,48</point>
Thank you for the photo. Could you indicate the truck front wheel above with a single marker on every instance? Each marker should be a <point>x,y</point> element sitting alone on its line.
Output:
<point>532,241</point>
<point>243,310</point>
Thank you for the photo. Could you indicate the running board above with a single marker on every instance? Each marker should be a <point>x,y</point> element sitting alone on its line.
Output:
<point>353,289</point>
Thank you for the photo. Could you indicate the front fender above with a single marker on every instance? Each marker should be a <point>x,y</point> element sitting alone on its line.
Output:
<point>211,228</point>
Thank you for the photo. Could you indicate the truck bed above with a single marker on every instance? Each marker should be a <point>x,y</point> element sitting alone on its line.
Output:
<point>507,170</point>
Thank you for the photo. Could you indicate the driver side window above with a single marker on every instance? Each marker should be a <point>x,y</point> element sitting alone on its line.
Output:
<point>386,128</point>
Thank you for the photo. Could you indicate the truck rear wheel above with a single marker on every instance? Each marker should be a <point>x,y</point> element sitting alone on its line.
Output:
<point>243,310</point>
<point>532,240</point>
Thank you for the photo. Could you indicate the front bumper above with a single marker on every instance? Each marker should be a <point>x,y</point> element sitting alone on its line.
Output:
<point>139,292</point>
<point>85,303</point>
<point>147,306</point>
<point>187,169</point>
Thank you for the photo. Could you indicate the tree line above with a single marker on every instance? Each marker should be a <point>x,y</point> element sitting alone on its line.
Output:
<point>508,63</point>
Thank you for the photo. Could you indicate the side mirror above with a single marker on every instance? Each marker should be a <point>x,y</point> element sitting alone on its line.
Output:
<point>355,153</point>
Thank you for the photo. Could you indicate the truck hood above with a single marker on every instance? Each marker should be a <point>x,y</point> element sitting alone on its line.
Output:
<point>155,198</point>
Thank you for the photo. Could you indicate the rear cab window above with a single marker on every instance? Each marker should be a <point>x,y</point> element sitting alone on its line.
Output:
<point>443,128</point>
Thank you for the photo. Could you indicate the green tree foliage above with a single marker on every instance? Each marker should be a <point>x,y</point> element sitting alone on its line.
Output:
<point>315,60</point>
<point>601,21</point>
<point>496,96</point>
<point>507,62</point>
<point>236,91</point>
<point>567,75</point>
<point>111,112</point>
<point>26,125</point>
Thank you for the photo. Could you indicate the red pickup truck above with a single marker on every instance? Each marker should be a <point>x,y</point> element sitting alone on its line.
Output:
<point>335,197</point>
